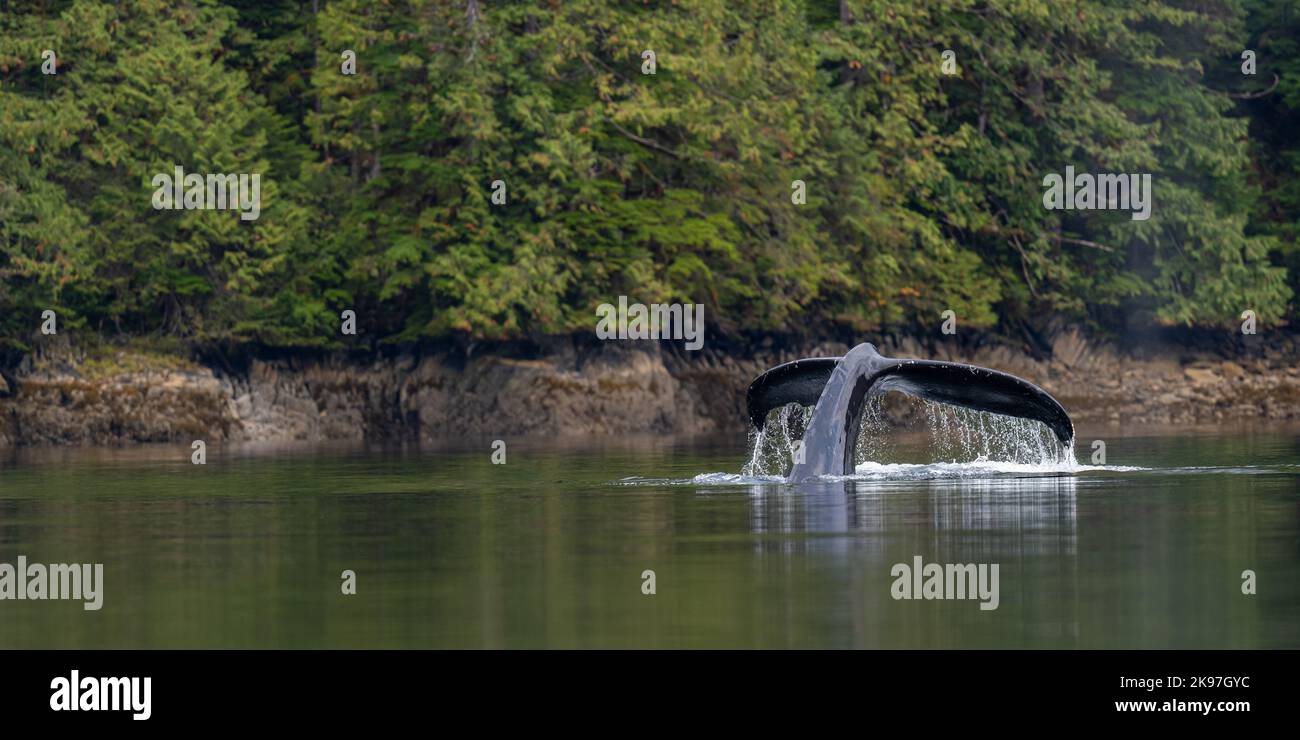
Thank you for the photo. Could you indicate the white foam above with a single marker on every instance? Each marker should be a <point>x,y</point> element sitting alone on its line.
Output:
<point>874,471</point>
<point>978,468</point>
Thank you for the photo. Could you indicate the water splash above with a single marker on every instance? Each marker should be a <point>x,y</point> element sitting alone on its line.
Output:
<point>966,435</point>
<point>772,448</point>
<point>952,435</point>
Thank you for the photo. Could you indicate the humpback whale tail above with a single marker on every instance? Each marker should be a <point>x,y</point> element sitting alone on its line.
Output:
<point>839,386</point>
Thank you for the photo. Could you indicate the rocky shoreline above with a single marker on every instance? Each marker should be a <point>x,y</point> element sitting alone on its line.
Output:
<point>575,386</point>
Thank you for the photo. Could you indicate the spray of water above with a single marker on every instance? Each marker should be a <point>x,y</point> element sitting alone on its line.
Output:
<point>772,448</point>
<point>951,435</point>
<point>965,435</point>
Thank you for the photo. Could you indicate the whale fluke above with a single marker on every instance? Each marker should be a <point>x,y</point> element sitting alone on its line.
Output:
<point>798,382</point>
<point>838,386</point>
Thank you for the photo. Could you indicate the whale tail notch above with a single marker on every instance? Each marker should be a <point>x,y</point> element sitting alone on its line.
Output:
<point>837,387</point>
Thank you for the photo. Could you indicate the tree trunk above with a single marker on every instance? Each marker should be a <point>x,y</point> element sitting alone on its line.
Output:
<point>472,16</point>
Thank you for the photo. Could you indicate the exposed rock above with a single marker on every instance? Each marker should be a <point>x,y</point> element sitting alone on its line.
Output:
<point>612,388</point>
<point>614,392</point>
<point>1201,375</point>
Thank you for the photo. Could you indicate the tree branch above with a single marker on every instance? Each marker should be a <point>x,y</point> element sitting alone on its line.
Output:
<point>1081,242</point>
<point>1259,94</point>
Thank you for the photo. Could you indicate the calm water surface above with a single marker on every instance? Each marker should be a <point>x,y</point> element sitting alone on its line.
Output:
<point>548,549</point>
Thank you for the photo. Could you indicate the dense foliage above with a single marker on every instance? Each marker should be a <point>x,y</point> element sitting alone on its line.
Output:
<point>924,189</point>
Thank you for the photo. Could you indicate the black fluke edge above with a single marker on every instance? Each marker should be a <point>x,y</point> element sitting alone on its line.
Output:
<point>837,387</point>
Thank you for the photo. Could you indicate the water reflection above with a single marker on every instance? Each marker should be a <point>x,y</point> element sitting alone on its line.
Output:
<point>1025,525</point>
<point>548,551</point>
<point>1042,504</point>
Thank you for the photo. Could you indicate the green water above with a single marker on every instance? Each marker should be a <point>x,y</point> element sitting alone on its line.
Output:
<point>548,549</point>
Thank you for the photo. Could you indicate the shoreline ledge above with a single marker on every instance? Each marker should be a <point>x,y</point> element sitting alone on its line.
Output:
<point>576,385</point>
